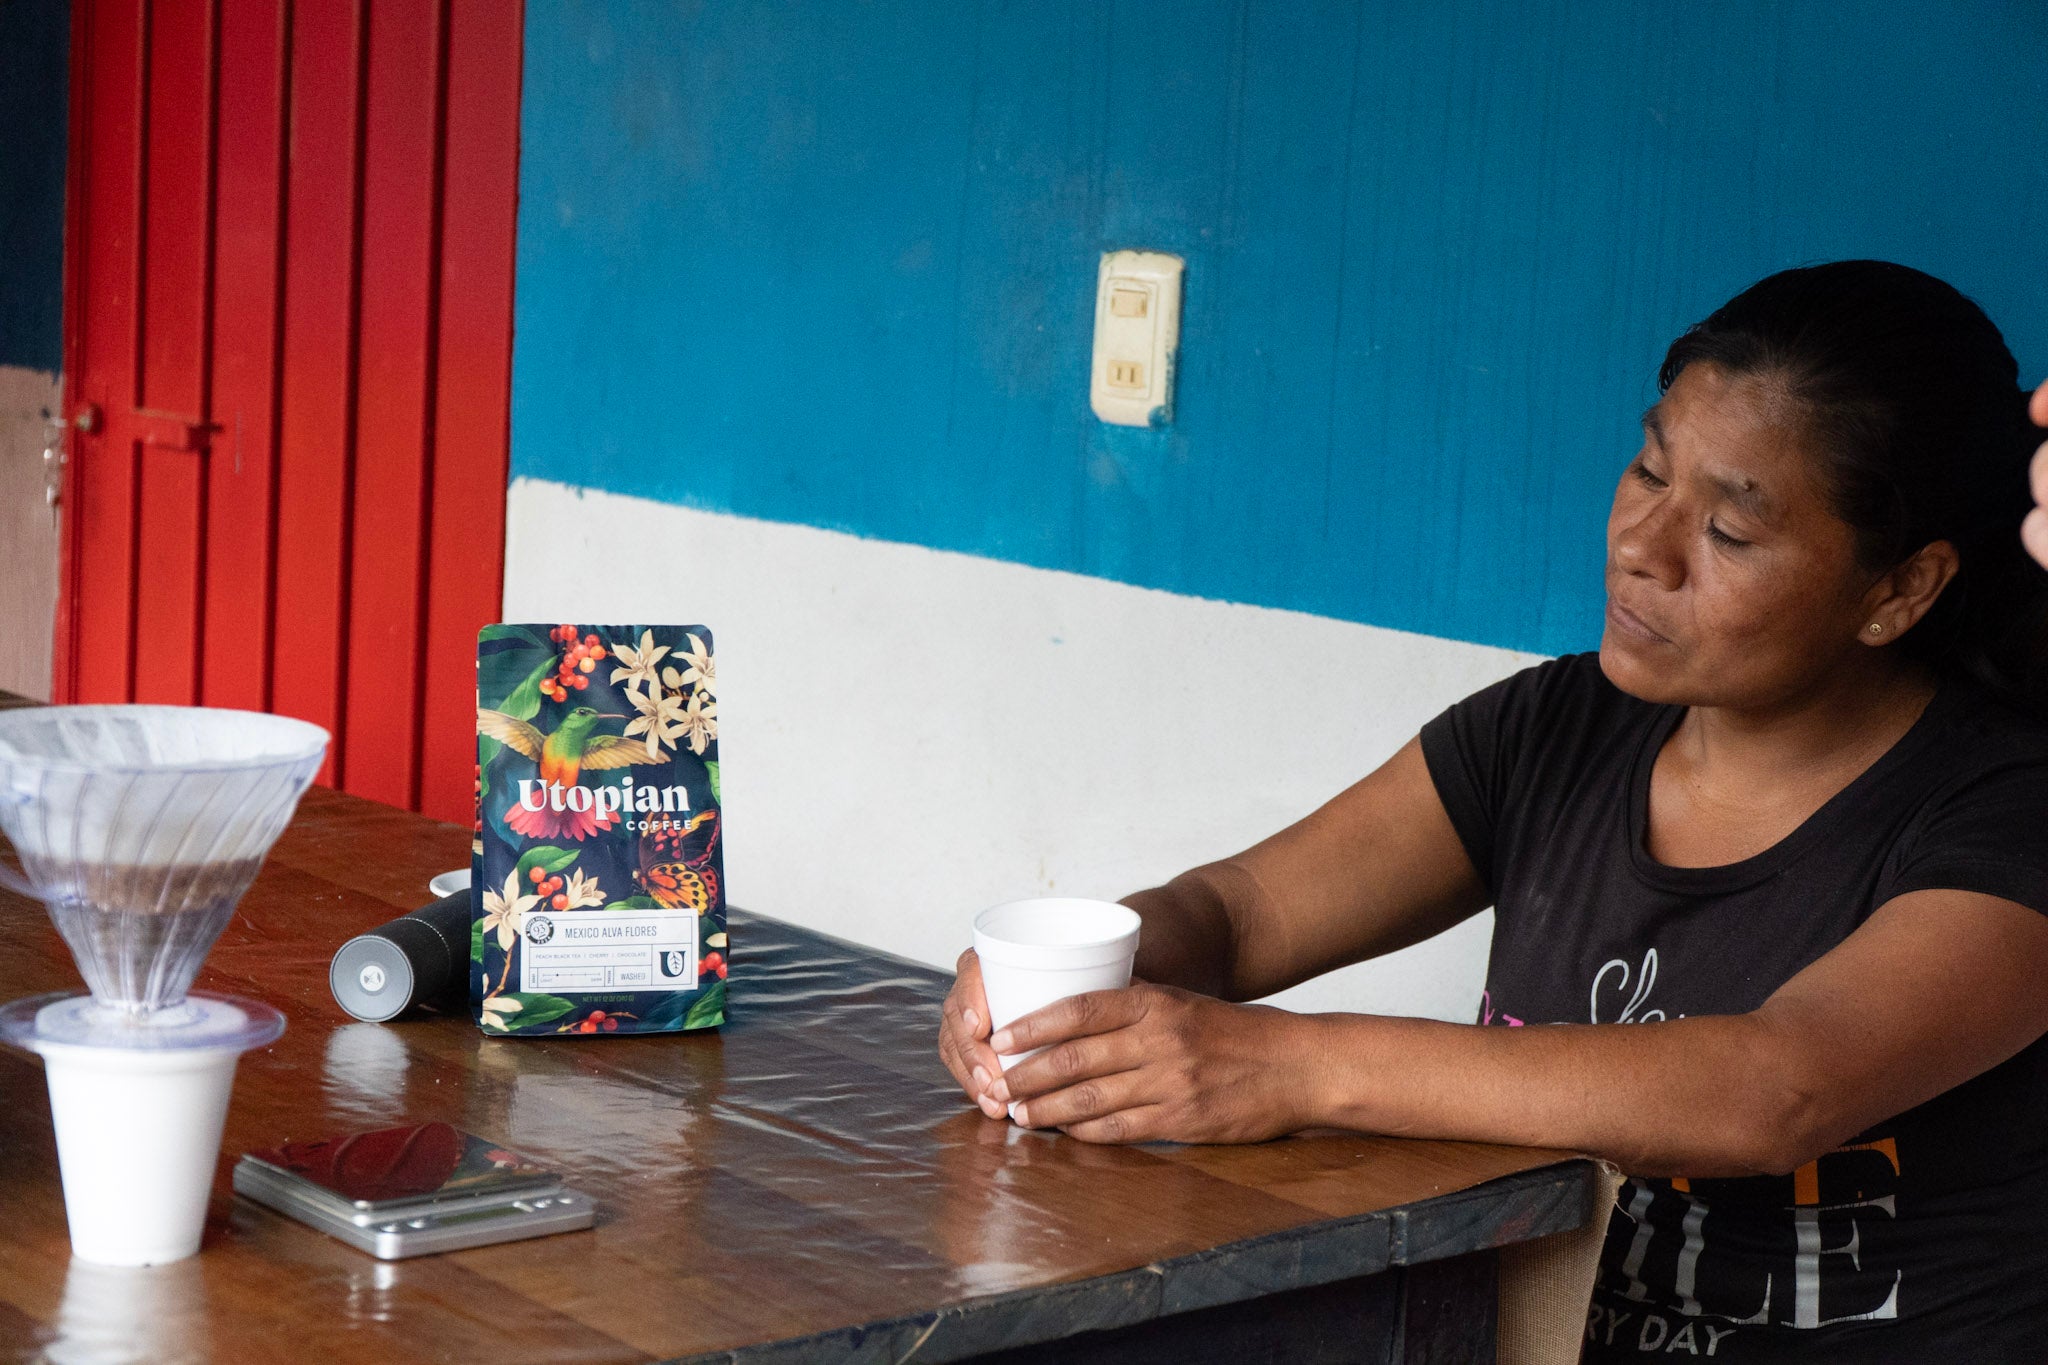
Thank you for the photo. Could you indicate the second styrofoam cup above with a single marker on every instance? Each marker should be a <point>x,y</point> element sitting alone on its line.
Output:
<point>1034,952</point>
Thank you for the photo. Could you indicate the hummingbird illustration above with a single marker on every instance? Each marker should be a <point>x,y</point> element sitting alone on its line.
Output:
<point>562,756</point>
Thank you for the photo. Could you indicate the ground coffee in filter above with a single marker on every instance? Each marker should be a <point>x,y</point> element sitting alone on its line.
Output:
<point>598,872</point>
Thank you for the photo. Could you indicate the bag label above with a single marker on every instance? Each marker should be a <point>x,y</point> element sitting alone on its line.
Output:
<point>643,950</point>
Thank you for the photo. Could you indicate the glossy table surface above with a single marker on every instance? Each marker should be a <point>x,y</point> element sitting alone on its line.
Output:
<point>805,1183</point>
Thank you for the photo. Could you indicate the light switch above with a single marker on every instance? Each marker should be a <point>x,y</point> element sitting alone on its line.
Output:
<point>1137,337</point>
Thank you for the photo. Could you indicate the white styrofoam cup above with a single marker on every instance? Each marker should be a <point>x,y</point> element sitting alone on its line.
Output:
<point>138,1135</point>
<point>1034,952</point>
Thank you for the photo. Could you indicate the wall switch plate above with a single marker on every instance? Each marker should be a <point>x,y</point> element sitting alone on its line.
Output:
<point>1137,337</point>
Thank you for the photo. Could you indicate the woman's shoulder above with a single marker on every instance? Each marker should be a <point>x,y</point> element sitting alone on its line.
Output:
<point>1560,713</point>
<point>1976,788</point>
<point>1973,727</point>
<point>1519,748</point>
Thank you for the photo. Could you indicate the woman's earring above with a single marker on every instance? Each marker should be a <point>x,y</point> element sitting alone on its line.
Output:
<point>1876,629</point>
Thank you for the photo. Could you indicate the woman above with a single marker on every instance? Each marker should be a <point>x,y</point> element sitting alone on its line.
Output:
<point>1789,824</point>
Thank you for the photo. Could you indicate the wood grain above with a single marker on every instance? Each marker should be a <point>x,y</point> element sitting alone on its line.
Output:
<point>803,1184</point>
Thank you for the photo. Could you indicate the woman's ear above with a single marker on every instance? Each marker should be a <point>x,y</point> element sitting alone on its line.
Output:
<point>1900,598</point>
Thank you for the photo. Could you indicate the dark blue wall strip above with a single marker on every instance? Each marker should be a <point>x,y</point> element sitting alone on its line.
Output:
<point>34,43</point>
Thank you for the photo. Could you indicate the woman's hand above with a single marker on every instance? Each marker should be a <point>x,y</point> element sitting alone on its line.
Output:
<point>1150,1063</point>
<point>2034,530</point>
<point>963,1036</point>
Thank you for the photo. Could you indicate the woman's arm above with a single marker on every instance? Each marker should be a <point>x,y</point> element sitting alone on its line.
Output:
<point>1377,868</point>
<point>1935,988</point>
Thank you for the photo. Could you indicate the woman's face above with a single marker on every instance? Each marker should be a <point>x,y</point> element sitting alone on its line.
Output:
<point>1730,582</point>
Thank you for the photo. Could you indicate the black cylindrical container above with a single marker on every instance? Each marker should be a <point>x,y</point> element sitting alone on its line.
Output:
<point>421,956</point>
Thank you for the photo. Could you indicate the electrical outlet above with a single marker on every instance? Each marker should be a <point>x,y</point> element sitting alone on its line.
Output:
<point>1137,335</point>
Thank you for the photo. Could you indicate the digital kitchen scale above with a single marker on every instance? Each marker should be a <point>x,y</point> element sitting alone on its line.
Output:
<point>401,1192</point>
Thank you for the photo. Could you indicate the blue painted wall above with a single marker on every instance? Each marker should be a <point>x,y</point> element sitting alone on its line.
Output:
<point>833,263</point>
<point>34,41</point>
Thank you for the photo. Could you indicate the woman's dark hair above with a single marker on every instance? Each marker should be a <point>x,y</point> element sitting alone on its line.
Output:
<point>1914,401</point>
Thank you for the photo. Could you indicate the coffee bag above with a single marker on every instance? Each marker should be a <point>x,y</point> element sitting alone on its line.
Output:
<point>598,868</point>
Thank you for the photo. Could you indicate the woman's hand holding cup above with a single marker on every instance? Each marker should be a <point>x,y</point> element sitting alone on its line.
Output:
<point>963,1036</point>
<point>1043,1018</point>
<point>1155,1063</point>
<point>1026,955</point>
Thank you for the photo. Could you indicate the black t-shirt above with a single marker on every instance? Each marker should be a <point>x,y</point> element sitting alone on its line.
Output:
<point>1920,1239</point>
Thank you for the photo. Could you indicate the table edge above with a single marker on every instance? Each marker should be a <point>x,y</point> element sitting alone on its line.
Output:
<point>1553,1198</point>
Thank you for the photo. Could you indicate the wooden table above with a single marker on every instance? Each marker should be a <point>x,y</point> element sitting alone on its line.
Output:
<point>805,1184</point>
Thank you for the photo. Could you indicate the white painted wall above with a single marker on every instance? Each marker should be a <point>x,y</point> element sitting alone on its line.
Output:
<point>909,735</point>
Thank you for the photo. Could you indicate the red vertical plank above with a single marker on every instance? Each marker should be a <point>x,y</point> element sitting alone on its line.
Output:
<point>318,380</point>
<point>176,220</point>
<point>466,541</point>
<point>401,136</point>
<point>249,179</point>
<point>107,62</point>
<point>175,211</point>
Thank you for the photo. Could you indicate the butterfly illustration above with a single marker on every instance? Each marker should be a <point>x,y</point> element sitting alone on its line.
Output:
<point>675,872</point>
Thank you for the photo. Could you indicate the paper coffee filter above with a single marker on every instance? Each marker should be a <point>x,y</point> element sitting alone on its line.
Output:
<point>97,738</point>
<point>141,826</point>
<point>149,785</point>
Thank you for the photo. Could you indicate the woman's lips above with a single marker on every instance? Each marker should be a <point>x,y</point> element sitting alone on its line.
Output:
<point>1628,623</point>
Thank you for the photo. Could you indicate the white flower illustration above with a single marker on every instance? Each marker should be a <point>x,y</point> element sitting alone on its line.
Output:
<point>699,721</point>
<point>581,891</point>
<point>660,716</point>
<point>637,664</point>
<point>504,912</point>
<point>498,1011</point>
<point>701,670</point>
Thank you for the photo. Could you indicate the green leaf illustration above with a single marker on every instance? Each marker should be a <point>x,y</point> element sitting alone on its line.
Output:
<point>541,1009</point>
<point>523,703</point>
<point>664,1013</point>
<point>476,941</point>
<point>707,1009</point>
<point>635,903</point>
<point>711,767</point>
<point>547,858</point>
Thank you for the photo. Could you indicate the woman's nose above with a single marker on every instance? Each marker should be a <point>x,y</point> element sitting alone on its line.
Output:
<point>1646,543</point>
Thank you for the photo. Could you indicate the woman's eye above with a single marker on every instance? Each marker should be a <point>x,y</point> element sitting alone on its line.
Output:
<point>1720,536</point>
<point>1644,476</point>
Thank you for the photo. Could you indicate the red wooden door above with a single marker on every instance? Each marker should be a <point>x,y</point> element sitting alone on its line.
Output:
<point>288,356</point>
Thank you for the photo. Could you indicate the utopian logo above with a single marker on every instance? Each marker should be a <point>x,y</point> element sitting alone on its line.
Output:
<point>535,795</point>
